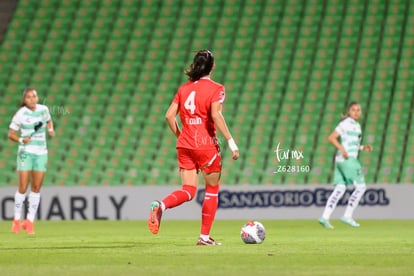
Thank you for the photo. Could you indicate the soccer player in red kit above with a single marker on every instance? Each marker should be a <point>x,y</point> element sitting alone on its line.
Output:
<point>199,103</point>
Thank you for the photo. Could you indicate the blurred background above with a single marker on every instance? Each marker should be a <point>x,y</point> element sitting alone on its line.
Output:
<point>108,71</point>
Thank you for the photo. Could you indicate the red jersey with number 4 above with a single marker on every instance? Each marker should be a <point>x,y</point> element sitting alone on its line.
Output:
<point>194,101</point>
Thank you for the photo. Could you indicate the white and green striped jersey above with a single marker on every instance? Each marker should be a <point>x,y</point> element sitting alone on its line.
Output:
<point>24,121</point>
<point>350,133</point>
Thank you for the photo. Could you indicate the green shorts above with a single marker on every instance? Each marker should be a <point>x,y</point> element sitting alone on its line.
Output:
<point>27,161</point>
<point>348,172</point>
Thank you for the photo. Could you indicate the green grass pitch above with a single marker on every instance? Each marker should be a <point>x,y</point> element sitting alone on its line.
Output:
<point>291,247</point>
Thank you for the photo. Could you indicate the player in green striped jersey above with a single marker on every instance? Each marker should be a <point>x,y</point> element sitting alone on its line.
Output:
<point>28,128</point>
<point>346,138</point>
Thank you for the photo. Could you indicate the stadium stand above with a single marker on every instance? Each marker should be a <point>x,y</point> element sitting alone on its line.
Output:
<point>109,69</point>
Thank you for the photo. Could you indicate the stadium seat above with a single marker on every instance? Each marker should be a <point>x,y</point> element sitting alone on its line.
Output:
<point>109,70</point>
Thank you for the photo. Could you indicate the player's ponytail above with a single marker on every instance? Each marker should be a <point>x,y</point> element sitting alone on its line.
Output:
<point>202,65</point>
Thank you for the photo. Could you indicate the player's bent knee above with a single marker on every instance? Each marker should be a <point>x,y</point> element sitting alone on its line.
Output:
<point>341,188</point>
<point>361,187</point>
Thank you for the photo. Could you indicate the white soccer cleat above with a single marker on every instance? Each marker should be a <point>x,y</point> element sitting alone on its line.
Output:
<point>325,223</point>
<point>350,222</point>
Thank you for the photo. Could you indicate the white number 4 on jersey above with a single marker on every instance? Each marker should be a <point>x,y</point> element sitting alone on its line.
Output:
<point>190,102</point>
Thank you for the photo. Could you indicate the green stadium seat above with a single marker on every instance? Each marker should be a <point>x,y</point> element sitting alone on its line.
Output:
<point>289,71</point>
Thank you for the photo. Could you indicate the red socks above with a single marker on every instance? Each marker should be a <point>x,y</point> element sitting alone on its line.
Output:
<point>178,197</point>
<point>209,209</point>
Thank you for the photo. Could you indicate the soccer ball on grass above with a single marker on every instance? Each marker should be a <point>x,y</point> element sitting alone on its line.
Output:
<point>253,232</point>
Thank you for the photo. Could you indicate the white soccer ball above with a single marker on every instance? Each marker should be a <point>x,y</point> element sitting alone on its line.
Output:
<point>253,232</point>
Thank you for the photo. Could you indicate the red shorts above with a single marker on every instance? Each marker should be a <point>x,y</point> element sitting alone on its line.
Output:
<point>205,160</point>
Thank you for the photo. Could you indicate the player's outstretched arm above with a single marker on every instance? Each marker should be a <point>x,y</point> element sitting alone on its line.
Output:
<point>50,128</point>
<point>367,148</point>
<point>170,116</point>
<point>221,125</point>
